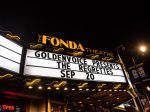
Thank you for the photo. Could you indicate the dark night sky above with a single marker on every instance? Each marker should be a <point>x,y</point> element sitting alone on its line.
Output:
<point>97,32</point>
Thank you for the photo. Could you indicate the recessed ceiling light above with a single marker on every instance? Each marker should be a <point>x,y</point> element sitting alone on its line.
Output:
<point>40,87</point>
<point>65,88</point>
<point>49,88</point>
<point>99,89</point>
<point>30,87</point>
<point>73,89</point>
<point>57,88</point>
<point>93,89</point>
<point>80,101</point>
<point>80,89</point>
<point>87,89</point>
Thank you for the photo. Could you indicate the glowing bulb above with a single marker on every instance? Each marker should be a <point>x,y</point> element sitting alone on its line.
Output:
<point>143,48</point>
<point>65,88</point>
<point>87,89</point>
<point>40,87</point>
<point>30,87</point>
<point>148,88</point>
<point>99,89</point>
<point>80,101</point>
<point>80,89</point>
<point>93,89</point>
<point>49,88</point>
<point>57,88</point>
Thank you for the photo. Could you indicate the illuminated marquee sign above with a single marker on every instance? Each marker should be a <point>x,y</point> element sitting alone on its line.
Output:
<point>40,63</point>
<point>10,55</point>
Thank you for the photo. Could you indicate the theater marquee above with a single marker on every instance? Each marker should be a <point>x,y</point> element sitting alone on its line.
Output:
<point>10,55</point>
<point>57,65</point>
<point>40,63</point>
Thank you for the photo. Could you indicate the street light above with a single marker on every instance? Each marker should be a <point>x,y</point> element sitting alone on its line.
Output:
<point>132,91</point>
<point>143,48</point>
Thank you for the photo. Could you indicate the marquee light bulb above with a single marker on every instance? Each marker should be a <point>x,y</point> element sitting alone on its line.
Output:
<point>57,88</point>
<point>49,88</point>
<point>73,89</point>
<point>80,89</point>
<point>99,89</point>
<point>65,88</point>
<point>30,87</point>
<point>80,101</point>
<point>87,89</point>
<point>93,89</point>
<point>40,87</point>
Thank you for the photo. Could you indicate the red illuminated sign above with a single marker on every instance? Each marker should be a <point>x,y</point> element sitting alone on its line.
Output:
<point>7,107</point>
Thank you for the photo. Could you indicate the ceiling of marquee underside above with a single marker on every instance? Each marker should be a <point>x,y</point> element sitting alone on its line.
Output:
<point>79,94</point>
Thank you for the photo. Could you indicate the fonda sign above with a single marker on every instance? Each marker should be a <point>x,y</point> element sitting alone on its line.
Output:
<point>59,42</point>
<point>41,63</point>
<point>74,48</point>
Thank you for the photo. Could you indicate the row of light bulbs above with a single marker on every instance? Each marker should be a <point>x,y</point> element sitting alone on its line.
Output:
<point>73,89</point>
<point>80,102</point>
